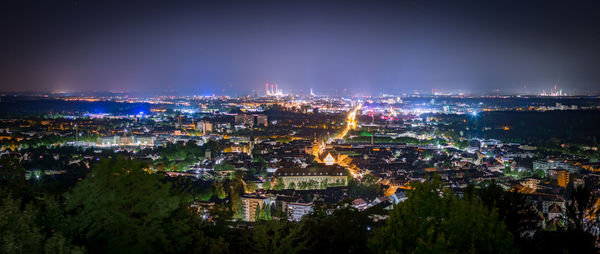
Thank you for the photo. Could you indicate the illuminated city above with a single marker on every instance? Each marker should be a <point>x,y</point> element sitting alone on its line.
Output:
<point>300,127</point>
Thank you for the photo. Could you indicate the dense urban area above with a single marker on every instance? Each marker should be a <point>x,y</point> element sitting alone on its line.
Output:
<point>277,173</point>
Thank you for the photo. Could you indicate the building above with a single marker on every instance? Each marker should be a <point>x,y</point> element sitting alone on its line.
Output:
<point>125,141</point>
<point>262,120</point>
<point>329,160</point>
<point>360,204</point>
<point>250,205</point>
<point>239,148</point>
<point>295,210</point>
<point>563,178</point>
<point>547,165</point>
<point>554,213</point>
<point>244,119</point>
<point>578,181</point>
<point>319,177</point>
<point>204,126</point>
<point>531,183</point>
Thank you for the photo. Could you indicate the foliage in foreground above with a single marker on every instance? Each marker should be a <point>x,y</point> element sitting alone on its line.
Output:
<point>119,207</point>
<point>433,220</point>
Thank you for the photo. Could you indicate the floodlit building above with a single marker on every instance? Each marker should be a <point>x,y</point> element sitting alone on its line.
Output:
<point>125,141</point>
<point>313,177</point>
<point>329,160</point>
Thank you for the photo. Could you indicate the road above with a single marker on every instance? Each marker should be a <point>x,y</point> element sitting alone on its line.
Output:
<point>350,122</point>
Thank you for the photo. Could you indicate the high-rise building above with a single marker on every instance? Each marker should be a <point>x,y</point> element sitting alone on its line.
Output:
<point>204,126</point>
<point>563,178</point>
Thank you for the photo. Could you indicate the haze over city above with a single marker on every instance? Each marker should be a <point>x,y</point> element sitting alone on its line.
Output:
<point>365,47</point>
<point>297,127</point>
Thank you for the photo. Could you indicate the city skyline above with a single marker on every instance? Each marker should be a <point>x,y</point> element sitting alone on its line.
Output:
<point>230,47</point>
<point>272,89</point>
<point>313,126</point>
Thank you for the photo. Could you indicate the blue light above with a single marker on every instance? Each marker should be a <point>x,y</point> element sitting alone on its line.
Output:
<point>474,113</point>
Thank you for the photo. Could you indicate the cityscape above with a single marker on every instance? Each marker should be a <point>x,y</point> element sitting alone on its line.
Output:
<point>110,149</point>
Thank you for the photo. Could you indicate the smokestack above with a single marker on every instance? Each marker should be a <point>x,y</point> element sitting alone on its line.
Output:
<point>267,88</point>
<point>277,88</point>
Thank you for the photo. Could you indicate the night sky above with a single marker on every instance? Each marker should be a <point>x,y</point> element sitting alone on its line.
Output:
<point>367,47</point>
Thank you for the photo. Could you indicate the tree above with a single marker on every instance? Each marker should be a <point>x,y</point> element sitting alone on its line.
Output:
<point>18,231</point>
<point>34,227</point>
<point>369,179</point>
<point>257,213</point>
<point>512,207</point>
<point>324,184</point>
<point>428,154</point>
<point>280,185</point>
<point>433,220</point>
<point>278,237</point>
<point>236,110</point>
<point>186,186</point>
<point>267,184</point>
<point>219,190</point>
<point>252,172</point>
<point>461,144</point>
<point>12,177</point>
<point>214,147</point>
<point>59,244</point>
<point>582,210</point>
<point>346,230</point>
<point>367,188</point>
<point>120,208</point>
<point>224,167</point>
<point>237,207</point>
<point>250,186</point>
<point>577,235</point>
<point>206,194</point>
<point>263,213</point>
<point>292,186</point>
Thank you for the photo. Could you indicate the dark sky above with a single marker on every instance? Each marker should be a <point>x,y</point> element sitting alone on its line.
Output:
<point>224,46</point>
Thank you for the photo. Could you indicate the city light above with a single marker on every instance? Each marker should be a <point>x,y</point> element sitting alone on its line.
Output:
<point>399,127</point>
